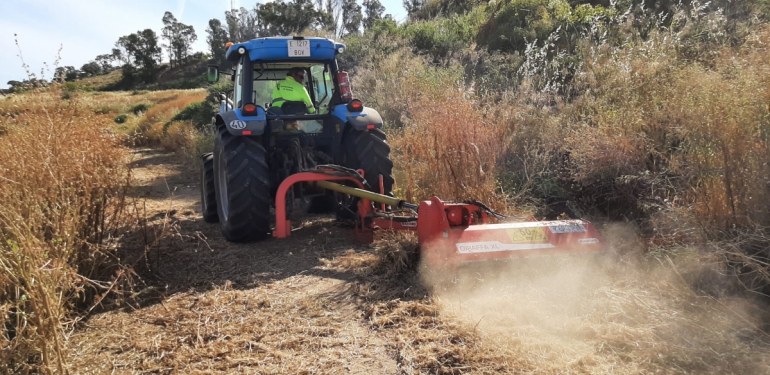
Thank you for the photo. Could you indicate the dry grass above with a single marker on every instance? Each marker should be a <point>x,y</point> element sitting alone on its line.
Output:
<point>274,329</point>
<point>63,182</point>
<point>449,148</point>
<point>63,177</point>
<point>151,128</point>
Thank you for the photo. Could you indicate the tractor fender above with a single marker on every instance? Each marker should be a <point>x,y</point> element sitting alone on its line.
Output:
<point>237,124</point>
<point>359,120</point>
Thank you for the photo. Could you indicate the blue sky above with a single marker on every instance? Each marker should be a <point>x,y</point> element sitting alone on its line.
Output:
<point>87,28</point>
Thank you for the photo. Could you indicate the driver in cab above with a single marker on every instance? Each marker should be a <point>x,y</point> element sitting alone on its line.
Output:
<point>291,89</point>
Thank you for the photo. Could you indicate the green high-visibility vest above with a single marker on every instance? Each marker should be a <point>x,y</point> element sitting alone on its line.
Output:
<point>292,91</point>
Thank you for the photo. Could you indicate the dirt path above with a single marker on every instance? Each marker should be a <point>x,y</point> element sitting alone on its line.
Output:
<point>317,303</point>
<point>270,307</point>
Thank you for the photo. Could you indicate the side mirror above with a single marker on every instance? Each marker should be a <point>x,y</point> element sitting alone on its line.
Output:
<point>212,73</point>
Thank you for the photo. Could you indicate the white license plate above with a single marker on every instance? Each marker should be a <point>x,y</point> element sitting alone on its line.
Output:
<point>299,48</point>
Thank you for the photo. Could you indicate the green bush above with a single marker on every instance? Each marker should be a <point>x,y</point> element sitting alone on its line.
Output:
<point>520,22</point>
<point>121,118</point>
<point>199,113</point>
<point>442,36</point>
<point>140,108</point>
<point>221,87</point>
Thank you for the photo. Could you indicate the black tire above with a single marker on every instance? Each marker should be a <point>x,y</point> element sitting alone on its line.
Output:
<point>208,193</point>
<point>242,187</point>
<point>367,150</point>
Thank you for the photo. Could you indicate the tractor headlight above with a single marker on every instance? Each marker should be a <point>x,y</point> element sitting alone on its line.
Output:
<point>242,51</point>
<point>341,50</point>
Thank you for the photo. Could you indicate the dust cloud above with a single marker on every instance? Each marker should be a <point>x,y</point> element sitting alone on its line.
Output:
<point>600,314</point>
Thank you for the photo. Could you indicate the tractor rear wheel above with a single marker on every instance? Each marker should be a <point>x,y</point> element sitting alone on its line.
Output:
<point>208,194</point>
<point>242,187</point>
<point>367,150</point>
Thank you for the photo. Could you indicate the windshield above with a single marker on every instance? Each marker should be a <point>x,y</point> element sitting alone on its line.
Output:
<point>316,80</point>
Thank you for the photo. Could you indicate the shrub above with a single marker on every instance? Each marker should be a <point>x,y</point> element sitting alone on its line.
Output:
<point>443,36</point>
<point>198,113</point>
<point>448,148</point>
<point>121,118</point>
<point>140,108</point>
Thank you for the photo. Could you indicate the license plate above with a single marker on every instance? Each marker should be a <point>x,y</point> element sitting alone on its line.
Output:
<point>299,48</point>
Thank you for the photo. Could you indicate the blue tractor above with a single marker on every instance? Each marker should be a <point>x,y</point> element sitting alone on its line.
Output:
<point>258,144</point>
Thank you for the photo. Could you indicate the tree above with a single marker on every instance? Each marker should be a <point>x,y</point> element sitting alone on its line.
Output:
<point>351,16</point>
<point>121,51</point>
<point>91,69</point>
<point>242,25</point>
<point>217,39</point>
<point>105,61</point>
<point>67,73</point>
<point>286,18</point>
<point>412,6</point>
<point>333,14</point>
<point>141,49</point>
<point>179,37</point>
<point>374,11</point>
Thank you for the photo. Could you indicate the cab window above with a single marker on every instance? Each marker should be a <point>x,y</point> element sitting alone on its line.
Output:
<point>322,86</point>
<point>238,93</point>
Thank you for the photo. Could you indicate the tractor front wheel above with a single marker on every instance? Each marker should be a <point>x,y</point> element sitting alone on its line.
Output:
<point>242,187</point>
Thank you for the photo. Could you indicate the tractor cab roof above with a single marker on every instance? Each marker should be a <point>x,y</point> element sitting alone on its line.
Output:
<point>283,48</point>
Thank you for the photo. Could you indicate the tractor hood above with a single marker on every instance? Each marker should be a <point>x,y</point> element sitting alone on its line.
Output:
<point>279,48</point>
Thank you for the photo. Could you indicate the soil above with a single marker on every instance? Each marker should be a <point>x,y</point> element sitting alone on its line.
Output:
<point>268,307</point>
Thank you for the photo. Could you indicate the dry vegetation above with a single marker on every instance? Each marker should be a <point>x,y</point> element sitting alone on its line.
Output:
<point>63,181</point>
<point>675,151</point>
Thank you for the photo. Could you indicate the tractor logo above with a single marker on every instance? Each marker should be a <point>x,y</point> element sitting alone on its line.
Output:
<point>238,124</point>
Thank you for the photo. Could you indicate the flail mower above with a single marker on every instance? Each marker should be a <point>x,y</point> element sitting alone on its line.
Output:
<point>327,150</point>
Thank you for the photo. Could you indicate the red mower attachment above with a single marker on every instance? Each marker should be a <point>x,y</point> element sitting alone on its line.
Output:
<point>453,233</point>
<point>450,234</point>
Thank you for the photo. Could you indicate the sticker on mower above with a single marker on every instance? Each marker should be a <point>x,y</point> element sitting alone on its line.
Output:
<point>238,124</point>
<point>409,224</point>
<point>588,241</point>
<point>567,228</point>
<point>527,234</point>
<point>495,246</point>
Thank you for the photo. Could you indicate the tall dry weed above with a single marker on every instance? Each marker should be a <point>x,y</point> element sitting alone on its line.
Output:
<point>63,176</point>
<point>449,149</point>
<point>656,133</point>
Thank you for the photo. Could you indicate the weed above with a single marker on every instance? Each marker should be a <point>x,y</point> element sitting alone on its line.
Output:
<point>63,200</point>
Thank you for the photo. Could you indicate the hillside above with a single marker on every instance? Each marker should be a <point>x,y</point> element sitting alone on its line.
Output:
<point>186,76</point>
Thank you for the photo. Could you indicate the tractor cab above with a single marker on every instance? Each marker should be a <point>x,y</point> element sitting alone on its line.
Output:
<point>263,65</point>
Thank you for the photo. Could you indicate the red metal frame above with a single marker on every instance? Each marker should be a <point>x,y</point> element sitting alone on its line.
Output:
<point>283,226</point>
